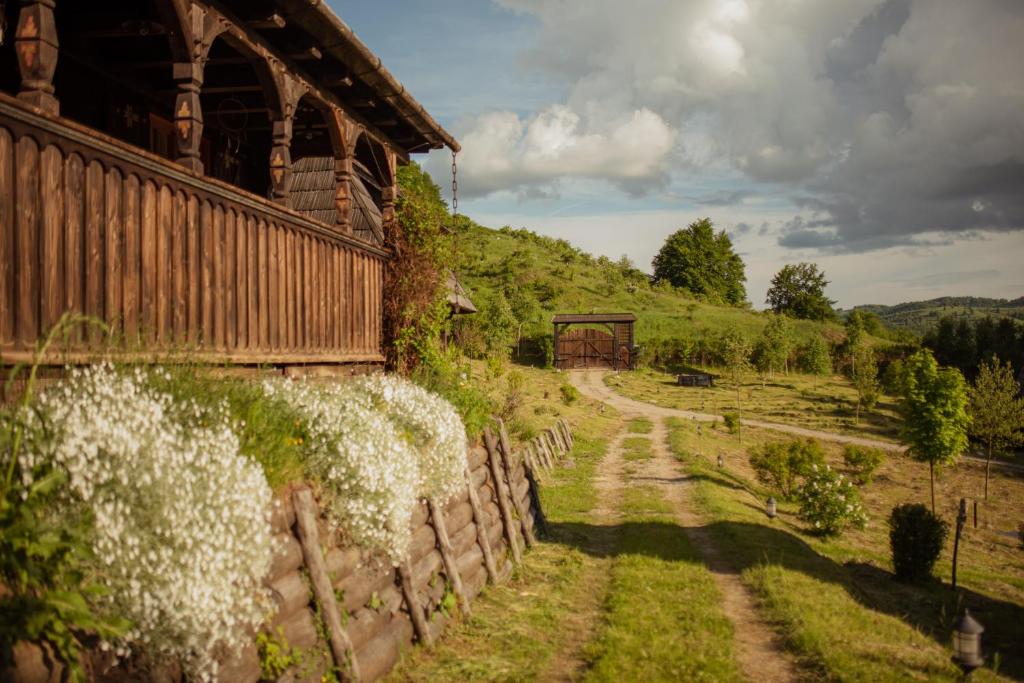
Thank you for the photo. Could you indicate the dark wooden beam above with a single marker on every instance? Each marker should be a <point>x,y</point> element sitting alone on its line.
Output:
<point>343,82</point>
<point>311,52</point>
<point>273,21</point>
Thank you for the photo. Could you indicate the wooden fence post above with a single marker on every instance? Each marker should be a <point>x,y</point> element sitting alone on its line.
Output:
<point>481,528</point>
<point>444,544</point>
<point>506,452</point>
<point>419,622</point>
<point>502,495</point>
<point>309,538</point>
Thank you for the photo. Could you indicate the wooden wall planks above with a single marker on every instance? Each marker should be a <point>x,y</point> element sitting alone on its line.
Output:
<point>168,266</point>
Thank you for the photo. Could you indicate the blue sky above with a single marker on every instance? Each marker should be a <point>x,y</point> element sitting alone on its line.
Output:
<point>878,138</point>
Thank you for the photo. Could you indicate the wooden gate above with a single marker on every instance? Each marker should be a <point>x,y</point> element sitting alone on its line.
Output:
<point>586,348</point>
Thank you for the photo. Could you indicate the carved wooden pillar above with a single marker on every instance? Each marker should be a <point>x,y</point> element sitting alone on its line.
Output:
<point>188,114</point>
<point>281,160</point>
<point>36,44</point>
<point>388,194</point>
<point>343,193</point>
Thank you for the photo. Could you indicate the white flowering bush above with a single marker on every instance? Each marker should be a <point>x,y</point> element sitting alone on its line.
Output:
<point>829,502</point>
<point>430,423</point>
<point>366,465</point>
<point>181,522</point>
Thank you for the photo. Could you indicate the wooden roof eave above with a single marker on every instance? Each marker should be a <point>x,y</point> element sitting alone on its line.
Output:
<point>334,37</point>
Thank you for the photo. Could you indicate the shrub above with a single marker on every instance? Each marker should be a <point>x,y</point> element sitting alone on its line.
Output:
<point>862,461</point>
<point>916,537</point>
<point>829,502</point>
<point>779,465</point>
<point>569,394</point>
<point>180,520</point>
<point>732,422</point>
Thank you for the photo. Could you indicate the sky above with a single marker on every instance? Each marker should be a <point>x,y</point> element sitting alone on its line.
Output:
<point>881,139</point>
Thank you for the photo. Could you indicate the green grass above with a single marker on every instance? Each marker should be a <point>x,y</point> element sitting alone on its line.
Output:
<point>826,403</point>
<point>845,618</point>
<point>640,425</point>
<point>663,612</point>
<point>636,448</point>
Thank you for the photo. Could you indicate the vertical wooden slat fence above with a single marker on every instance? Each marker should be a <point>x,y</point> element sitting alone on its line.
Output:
<point>171,261</point>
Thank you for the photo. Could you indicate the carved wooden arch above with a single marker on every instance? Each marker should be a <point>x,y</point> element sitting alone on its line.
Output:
<point>176,16</point>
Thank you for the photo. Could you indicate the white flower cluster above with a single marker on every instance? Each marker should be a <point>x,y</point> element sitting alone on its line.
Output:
<point>369,469</point>
<point>829,501</point>
<point>182,520</point>
<point>430,422</point>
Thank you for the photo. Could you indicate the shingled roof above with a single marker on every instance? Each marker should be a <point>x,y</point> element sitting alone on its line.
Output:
<point>312,193</point>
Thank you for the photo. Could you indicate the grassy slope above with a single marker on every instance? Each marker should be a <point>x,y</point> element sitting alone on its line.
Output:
<point>843,613</point>
<point>579,286</point>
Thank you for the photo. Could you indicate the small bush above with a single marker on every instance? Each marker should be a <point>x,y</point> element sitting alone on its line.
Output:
<point>862,462</point>
<point>569,394</point>
<point>829,502</point>
<point>780,465</point>
<point>732,422</point>
<point>916,537</point>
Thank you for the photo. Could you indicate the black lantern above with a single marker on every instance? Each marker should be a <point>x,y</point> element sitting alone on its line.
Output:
<point>721,461</point>
<point>967,643</point>
<point>771,508</point>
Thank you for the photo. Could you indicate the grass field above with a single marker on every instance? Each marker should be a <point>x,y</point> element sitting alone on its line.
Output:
<point>844,614</point>
<point>826,403</point>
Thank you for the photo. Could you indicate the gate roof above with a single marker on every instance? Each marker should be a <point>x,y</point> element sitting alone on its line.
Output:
<point>594,318</point>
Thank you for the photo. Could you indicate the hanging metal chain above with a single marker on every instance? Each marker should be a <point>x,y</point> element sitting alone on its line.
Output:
<point>455,186</point>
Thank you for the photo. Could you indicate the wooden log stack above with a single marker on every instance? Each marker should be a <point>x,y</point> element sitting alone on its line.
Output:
<point>353,613</point>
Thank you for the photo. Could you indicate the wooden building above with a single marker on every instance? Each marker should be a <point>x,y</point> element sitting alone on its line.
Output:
<point>595,340</point>
<point>209,177</point>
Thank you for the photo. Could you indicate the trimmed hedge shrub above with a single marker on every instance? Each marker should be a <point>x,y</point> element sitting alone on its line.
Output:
<point>916,537</point>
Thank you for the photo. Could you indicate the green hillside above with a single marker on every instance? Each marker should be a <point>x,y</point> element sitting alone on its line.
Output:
<point>920,316</point>
<point>540,276</point>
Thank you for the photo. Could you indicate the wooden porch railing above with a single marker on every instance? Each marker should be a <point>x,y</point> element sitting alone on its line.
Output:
<point>172,261</point>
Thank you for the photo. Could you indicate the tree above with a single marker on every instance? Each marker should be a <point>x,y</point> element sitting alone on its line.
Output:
<point>736,354</point>
<point>816,358</point>
<point>997,415</point>
<point>703,262</point>
<point>865,380</point>
<point>799,290</point>
<point>771,351</point>
<point>934,411</point>
<point>854,336</point>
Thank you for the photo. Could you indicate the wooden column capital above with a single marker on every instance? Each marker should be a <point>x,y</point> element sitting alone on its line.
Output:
<point>36,44</point>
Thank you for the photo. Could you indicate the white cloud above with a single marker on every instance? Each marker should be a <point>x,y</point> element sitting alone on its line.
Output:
<point>888,118</point>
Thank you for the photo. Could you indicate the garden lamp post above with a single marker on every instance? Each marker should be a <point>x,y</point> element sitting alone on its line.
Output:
<point>721,461</point>
<point>772,508</point>
<point>967,643</point>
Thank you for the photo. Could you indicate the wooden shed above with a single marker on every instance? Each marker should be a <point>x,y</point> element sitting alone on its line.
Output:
<point>207,177</point>
<point>594,340</point>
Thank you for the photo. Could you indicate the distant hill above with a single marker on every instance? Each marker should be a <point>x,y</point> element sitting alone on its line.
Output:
<point>920,316</point>
<point>562,278</point>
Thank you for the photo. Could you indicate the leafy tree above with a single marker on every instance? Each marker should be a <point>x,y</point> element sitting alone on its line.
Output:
<point>997,415</point>
<point>854,337</point>
<point>702,262</point>
<point>499,325</point>
<point>934,411</point>
<point>816,358</point>
<point>865,380</point>
<point>799,290</point>
<point>736,352</point>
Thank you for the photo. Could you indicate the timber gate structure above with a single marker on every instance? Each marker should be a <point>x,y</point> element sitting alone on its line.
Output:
<point>213,177</point>
<point>589,347</point>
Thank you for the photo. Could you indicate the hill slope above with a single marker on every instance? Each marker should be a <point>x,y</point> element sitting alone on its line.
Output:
<point>560,278</point>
